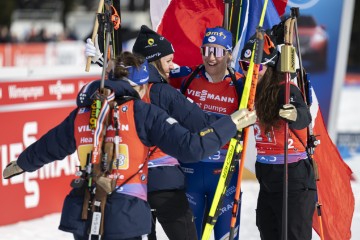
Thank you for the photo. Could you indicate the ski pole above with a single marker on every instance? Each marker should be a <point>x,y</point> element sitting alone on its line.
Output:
<point>232,155</point>
<point>258,51</point>
<point>226,14</point>
<point>311,139</point>
<point>287,67</point>
<point>239,21</point>
<point>253,73</point>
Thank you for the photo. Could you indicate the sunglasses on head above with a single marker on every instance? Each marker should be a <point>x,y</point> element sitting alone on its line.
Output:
<point>245,65</point>
<point>217,51</point>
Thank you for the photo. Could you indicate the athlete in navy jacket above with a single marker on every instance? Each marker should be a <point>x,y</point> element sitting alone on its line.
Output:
<point>166,185</point>
<point>126,216</point>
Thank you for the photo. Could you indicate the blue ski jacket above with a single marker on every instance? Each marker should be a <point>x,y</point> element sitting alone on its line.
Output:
<point>175,104</point>
<point>154,127</point>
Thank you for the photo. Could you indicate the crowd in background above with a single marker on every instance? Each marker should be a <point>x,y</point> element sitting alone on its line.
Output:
<point>62,8</point>
<point>8,7</point>
<point>36,36</point>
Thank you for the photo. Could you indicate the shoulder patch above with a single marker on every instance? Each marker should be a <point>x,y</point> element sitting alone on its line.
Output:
<point>83,110</point>
<point>171,120</point>
<point>190,100</point>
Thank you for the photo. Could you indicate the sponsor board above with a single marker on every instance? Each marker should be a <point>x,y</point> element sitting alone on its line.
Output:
<point>29,109</point>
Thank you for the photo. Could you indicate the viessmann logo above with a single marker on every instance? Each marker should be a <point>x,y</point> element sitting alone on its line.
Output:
<point>203,95</point>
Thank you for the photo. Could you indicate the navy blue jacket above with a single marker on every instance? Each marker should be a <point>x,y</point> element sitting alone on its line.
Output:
<point>154,128</point>
<point>175,104</point>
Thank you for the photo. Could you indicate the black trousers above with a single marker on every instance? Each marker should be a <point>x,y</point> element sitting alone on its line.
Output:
<point>171,209</point>
<point>81,238</point>
<point>301,200</point>
<point>301,206</point>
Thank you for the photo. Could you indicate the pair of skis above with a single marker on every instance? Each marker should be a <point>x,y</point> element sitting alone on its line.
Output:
<point>106,28</point>
<point>235,150</point>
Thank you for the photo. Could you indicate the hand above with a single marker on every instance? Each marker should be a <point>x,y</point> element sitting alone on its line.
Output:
<point>93,51</point>
<point>288,112</point>
<point>11,170</point>
<point>243,118</point>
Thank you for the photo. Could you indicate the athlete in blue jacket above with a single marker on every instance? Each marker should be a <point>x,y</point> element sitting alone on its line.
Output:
<point>127,215</point>
<point>217,89</point>
<point>166,185</point>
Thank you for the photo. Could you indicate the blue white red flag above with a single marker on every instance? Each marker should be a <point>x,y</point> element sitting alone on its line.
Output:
<point>183,23</point>
<point>249,21</point>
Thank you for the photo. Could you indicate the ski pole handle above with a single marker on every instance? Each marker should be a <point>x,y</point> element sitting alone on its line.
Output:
<point>288,55</point>
<point>96,26</point>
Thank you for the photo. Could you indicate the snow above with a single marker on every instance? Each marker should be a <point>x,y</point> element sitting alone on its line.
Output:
<point>46,228</point>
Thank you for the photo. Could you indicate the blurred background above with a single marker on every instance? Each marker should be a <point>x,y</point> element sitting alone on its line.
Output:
<point>67,20</point>
<point>39,21</point>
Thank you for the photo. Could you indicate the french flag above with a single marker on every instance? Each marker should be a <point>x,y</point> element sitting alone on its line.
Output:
<point>334,188</point>
<point>183,23</point>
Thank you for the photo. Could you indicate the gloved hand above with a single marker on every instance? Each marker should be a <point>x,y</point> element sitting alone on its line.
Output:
<point>243,118</point>
<point>288,112</point>
<point>93,51</point>
<point>11,170</point>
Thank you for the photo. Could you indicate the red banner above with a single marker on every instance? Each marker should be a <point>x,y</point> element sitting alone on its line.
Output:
<point>28,109</point>
<point>41,91</point>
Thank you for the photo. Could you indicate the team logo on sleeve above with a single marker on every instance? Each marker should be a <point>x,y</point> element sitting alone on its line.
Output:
<point>124,108</point>
<point>171,120</point>
<point>83,110</point>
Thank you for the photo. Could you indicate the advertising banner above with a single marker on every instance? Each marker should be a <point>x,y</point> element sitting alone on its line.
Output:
<point>42,54</point>
<point>28,109</point>
<point>324,32</point>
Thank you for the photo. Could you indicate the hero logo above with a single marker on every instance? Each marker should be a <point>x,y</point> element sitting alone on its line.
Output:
<point>302,4</point>
<point>204,94</point>
<point>59,89</point>
<point>11,152</point>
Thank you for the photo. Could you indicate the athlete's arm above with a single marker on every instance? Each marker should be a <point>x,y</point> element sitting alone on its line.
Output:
<point>56,144</point>
<point>303,114</point>
<point>176,105</point>
<point>155,127</point>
